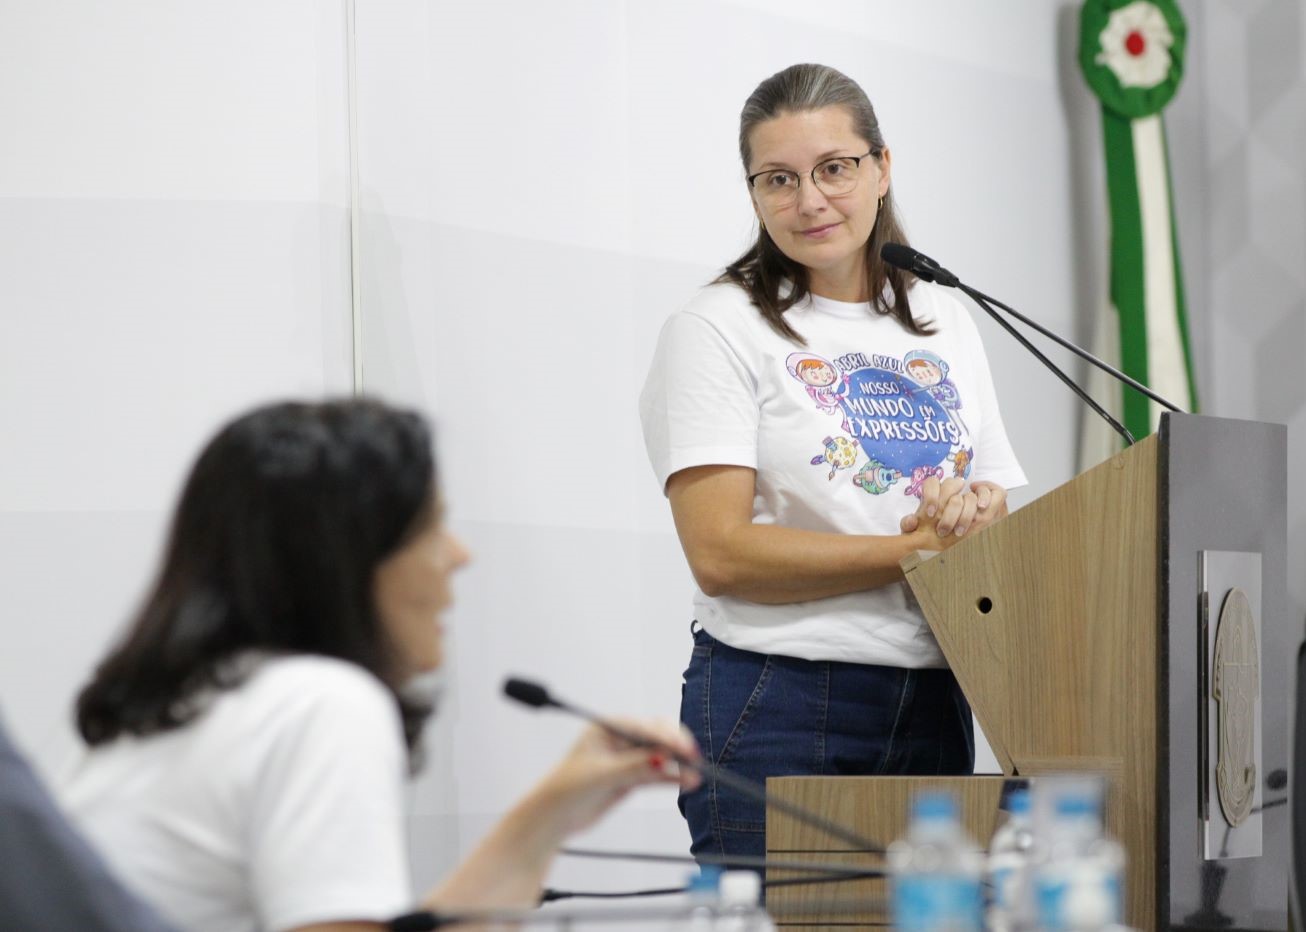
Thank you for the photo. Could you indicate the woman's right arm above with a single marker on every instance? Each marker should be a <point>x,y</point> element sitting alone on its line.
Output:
<point>730,555</point>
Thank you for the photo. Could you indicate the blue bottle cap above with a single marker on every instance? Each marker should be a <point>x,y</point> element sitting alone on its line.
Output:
<point>1076,805</point>
<point>934,806</point>
<point>707,880</point>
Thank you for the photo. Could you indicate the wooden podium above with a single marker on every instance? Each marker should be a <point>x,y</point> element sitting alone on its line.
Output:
<point>1081,629</point>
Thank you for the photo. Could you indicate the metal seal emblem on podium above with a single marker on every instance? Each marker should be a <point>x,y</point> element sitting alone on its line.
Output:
<point>1234,687</point>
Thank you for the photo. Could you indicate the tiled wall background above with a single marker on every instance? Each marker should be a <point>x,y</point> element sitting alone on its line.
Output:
<point>1247,56</point>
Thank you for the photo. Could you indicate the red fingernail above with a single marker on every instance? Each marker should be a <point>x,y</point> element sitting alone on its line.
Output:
<point>657,761</point>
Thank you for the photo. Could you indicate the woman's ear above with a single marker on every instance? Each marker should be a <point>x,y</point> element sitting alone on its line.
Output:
<point>885,163</point>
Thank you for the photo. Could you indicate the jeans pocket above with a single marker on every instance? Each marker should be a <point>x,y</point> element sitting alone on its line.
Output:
<point>694,685</point>
<point>738,690</point>
<point>739,713</point>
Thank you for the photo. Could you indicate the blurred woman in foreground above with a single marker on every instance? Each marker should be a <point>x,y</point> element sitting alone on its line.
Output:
<point>250,736</point>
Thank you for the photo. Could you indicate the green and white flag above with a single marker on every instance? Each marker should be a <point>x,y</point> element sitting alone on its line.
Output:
<point>1131,53</point>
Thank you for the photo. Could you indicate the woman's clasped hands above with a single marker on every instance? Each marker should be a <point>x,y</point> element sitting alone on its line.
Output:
<point>956,508</point>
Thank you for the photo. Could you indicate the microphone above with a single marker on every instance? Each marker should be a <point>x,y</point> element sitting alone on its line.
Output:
<point>527,693</point>
<point>535,695</point>
<point>910,260</point>
<point>919,264</point>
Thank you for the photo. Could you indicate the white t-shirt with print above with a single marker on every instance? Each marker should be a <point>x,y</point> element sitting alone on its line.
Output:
<point>841,433</point>
<point>279,806</point>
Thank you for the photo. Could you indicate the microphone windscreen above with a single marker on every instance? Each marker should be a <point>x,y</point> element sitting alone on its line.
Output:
<point>898,255</point>
<point>526,692</point>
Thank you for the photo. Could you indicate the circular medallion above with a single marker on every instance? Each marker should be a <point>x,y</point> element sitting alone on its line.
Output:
<point>1235,687</point>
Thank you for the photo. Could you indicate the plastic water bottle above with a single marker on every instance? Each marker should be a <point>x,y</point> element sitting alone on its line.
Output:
<point>935,871</point>
<point>703,897</point>
<point>1009,866</point>
<point>740,904</point>
<point>1077,885</point>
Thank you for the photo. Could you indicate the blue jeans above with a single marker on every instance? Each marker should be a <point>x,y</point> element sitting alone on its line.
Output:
<point>761,715</point>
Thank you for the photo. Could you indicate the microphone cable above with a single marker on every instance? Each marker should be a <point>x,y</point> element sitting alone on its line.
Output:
<point>424,920</point>
<point>821,873</point>
<point>727,861</point>
<point>551,895</point>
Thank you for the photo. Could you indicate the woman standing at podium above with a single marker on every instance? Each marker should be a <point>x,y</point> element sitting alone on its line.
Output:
<point>813,416</point>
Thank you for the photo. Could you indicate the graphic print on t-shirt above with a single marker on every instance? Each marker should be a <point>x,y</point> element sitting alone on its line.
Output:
<point>823,383</point>
<point>902,415</point>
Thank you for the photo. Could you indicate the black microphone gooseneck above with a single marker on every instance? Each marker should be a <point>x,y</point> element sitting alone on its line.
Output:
<point>1056,370</point>
<point>1078,351</point>
<point>922,266</point>
<point>535,695</point>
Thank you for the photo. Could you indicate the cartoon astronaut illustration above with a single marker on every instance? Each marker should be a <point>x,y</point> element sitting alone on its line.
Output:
<point>820,378</point>
<point>930,372</point>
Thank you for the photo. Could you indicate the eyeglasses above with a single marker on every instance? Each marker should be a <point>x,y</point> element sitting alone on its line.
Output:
<point>833,178</point>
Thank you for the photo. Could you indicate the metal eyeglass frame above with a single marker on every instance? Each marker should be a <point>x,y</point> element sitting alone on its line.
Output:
<point>855,159</point>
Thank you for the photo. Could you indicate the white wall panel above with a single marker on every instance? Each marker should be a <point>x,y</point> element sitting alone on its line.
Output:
<point>173,249</point>
<point>70,579</point>
<point>137,326</point>
<point>154,99</point>
<point>1005,41</point>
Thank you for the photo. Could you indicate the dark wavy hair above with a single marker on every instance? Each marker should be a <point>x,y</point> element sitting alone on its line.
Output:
<point>280,527</point>
<point>763,271</point>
